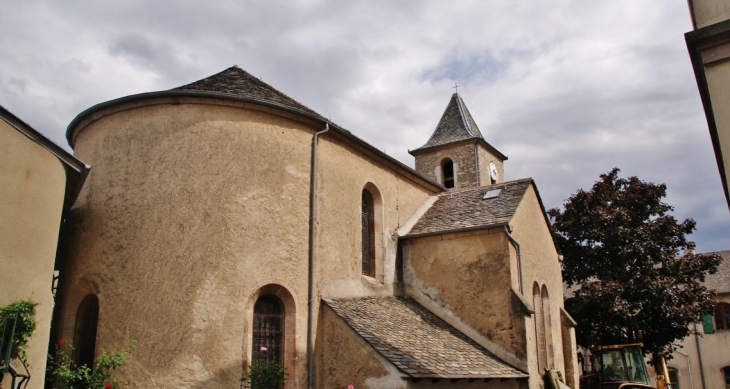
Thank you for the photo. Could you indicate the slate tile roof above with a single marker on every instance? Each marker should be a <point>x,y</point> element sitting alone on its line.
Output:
<point>418,342</point>
<point>465,208</point>
<point>720,281</point>
<point>456,124</point>
<point>238,82</point>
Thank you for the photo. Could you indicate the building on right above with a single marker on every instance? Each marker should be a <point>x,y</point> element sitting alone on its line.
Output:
<point>703,361</point>
<point>709,49</point>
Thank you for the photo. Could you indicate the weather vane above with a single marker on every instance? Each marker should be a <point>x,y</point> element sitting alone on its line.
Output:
<point>456,88</point>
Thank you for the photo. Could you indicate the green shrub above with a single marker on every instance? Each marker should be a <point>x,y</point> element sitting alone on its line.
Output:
<point>264,374</point>
<point>63,373</point>
<point>24,328</point>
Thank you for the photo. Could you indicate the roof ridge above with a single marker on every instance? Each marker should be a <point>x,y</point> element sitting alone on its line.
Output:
<point>482,187</point>
<point>463,111</point>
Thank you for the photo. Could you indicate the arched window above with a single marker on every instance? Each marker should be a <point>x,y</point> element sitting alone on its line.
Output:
<point>447,167</point>
<point>87,318</point>
<point>547,322</point>
<point>722,316</point>
<point>368,234</point>
<point>726,374</point>
<point>268,320</point>
<point>539,328</point>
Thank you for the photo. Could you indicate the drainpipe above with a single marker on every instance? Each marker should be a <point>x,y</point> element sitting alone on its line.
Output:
<point>519,256</point>
<point>312,222</point>
<point>699,356</point>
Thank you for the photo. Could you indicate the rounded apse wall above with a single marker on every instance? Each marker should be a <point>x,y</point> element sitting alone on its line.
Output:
<point>190,204</point>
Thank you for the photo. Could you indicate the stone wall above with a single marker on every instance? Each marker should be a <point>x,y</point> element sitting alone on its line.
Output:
<point>465,279</point>
<point>430,163</point>
<point>541,267</point>
<point>195,207</point>
<point>468,173</point>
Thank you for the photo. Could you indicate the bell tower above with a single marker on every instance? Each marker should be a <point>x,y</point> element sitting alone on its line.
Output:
<point>456,155</point>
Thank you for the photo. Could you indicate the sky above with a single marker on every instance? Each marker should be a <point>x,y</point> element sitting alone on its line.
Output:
<point>567,89</point>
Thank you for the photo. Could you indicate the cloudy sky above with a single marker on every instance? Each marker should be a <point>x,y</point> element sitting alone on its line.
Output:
<point>567,89</point>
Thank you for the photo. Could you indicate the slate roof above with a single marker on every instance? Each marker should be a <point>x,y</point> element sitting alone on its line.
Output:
<point>456,124</point>
<point>465,208</point>
<point>418,342</point>
<point>238,82</point>
<point>720,281</point>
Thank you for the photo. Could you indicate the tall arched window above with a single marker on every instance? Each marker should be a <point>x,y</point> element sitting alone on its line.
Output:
<point>447,168</point>
<point>539,328</point>
<point>368,234</point>
<point>87,318</point>
<point>548,328</point>
<point>268,320</point>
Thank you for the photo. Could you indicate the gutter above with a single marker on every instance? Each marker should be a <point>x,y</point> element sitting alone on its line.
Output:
<point>312,225</point>
<point>453,231</point>
<point>519,256</point>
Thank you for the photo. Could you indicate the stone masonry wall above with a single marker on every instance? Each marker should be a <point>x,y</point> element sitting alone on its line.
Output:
<point>462,154</point>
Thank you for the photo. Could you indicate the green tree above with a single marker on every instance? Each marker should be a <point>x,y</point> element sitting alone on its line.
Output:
<point>638,276</point>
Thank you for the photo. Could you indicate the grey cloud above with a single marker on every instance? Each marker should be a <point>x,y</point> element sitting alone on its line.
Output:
<point>567,89</point>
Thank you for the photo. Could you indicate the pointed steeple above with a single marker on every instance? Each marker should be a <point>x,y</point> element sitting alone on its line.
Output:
<point>456,124</point>
<point>456,155</point>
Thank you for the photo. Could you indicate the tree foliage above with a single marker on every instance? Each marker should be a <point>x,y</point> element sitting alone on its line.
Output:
<point>638,276</point>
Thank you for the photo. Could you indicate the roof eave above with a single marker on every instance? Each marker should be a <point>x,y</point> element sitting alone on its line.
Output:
<point>696,40</point>
<point>178,93</point>
<point>468,377</point>
<point>76,171</point>
<point>456,230</point>
<point>483,142</point>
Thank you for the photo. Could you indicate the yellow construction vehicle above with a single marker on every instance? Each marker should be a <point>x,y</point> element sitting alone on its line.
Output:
<point>622,366</point>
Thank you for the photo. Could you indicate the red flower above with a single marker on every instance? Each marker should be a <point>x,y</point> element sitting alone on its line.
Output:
<point>108,386</point>
<point>60,342</point>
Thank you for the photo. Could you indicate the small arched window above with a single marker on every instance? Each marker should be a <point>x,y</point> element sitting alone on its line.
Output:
<point>447,168</point>
<point>722,316</point>
<point>87,318</point>
<point>268,320</point>
<point>368,234</point>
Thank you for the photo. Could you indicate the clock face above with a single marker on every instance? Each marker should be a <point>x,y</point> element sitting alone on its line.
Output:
<point>493,171</point>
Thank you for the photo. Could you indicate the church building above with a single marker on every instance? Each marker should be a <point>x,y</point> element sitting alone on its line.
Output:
<point>224,222</point>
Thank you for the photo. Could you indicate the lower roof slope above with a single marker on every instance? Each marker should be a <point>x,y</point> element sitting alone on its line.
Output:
<point>467,208</point>
<point>418,342</point>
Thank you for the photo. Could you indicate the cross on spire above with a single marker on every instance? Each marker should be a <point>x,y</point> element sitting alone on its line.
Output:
<point>456,88</point>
